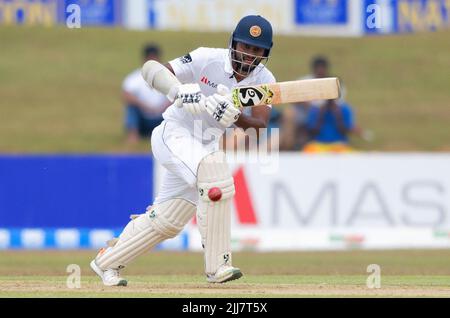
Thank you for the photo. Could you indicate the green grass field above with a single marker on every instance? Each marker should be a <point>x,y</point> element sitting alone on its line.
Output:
<point>60,88</point>
<point>413,273</point>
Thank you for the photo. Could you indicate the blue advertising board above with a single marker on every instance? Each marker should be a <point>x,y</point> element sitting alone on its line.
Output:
<point>72,202</point>
<point>30,12</point>
<point>52,12</point>
<point>321,12</point>
<point>78,191</point>
<point>405,16</point>
<point>97,12</point>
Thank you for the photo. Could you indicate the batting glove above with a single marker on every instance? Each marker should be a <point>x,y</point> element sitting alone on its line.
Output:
<point>190,97</point>
<point>221,107</point>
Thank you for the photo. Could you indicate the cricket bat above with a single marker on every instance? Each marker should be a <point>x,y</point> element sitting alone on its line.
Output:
<point>286,92</point>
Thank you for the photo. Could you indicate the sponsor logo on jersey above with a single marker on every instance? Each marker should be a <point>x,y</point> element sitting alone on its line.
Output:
<point>186,59</point>
<point>206,81</point>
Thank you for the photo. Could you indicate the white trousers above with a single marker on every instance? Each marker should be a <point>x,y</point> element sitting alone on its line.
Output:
<point>180,153</point>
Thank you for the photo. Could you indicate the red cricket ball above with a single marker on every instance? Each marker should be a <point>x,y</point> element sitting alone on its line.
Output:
<point>215,194</point>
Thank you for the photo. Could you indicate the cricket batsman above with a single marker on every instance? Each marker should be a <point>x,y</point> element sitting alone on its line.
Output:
<point>198,180</point>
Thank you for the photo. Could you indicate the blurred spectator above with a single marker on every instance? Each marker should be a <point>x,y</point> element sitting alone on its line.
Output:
<point>329,126</point>
<point>294,131</point>
<point>319,67</point>
<point>318,126</point>
<point>143,105</point>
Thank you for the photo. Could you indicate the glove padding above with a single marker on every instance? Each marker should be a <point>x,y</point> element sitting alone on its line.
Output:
<point>221,107</point>
<point>190,97</point>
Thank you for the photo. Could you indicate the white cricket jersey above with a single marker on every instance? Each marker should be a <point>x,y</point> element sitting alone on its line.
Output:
<point>208,67</point>
<point>135,85</point>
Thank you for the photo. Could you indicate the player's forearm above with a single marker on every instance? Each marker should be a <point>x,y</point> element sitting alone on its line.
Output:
<point>161,78</point>
<point>246,121</point>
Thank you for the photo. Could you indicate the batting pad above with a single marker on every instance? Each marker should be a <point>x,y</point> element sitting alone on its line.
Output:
<point>214,217</point>
<point>160,222</point>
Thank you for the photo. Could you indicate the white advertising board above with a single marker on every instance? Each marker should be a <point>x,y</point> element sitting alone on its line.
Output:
<point>341,201</point>
<point>288,17</point>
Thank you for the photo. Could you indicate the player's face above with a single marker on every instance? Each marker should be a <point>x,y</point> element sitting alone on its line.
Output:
<point>246,57</point>
<point>249,52</point>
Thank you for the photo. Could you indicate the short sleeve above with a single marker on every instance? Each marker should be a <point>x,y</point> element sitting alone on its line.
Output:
<point>187,67</point>
<point>269,78</point>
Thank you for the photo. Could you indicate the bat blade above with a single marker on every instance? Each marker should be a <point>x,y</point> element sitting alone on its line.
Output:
<point>286,92</point>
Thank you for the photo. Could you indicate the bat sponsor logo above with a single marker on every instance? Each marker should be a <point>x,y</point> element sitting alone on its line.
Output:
<point>250,96</point>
